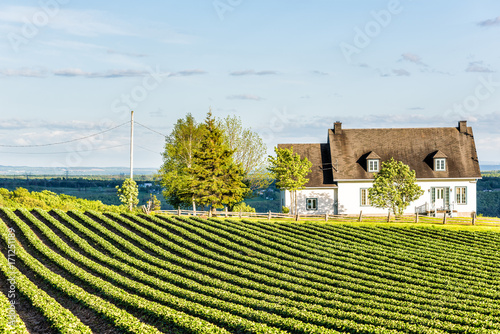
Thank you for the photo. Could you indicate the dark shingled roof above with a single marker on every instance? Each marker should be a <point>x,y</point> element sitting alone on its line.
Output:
<point>344,156</point>
<point>321,170</point>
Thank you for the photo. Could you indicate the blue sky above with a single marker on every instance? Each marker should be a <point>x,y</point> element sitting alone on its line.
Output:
<point>289,69</point>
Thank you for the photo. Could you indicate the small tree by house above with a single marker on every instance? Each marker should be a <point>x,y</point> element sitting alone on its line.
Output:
<point>290,172</point>
<point>394,187</point>
<point>128,193</point>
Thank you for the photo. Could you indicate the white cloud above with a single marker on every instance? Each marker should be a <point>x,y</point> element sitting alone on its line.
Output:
<point>24,72</point>
<point>245,97</point>
<point>478,66</point>
<point>252,72</point>
<point>411,57</point>
<point>490,22</point>
<point>401,72</point>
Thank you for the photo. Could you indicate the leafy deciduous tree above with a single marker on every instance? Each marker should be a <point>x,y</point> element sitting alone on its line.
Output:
<point>180,148</point>
<point>249,150</point>
<point>290,172</point>
<point>128,193</point>
<point>394,187</point>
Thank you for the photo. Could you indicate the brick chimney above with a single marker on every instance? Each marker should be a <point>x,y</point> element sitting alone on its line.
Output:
<point>337,128</point>
<point>462,126</point>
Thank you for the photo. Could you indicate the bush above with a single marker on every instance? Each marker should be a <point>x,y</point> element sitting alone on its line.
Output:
<point>48,200</point>
<point>243,207</point>
<point>285,209</point>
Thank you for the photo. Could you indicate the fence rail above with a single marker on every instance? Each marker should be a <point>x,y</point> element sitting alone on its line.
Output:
<point>416,218</point>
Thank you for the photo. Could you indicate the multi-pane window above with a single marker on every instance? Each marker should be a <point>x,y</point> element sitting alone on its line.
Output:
<point>461,195</point>
<point>365,200</point>
<point>311,204</point>
<point>372,165</point>
<point>440,164</point>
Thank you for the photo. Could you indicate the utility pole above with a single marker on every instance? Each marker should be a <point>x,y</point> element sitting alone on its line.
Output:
<point>132,145</point>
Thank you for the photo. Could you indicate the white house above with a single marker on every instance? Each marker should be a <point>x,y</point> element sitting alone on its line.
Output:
<point>444,159</point>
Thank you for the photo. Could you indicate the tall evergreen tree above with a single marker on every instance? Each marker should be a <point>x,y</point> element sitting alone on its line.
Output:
<point>216,180</point>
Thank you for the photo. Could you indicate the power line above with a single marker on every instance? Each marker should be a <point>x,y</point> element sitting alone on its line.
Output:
<point>91,150</point>
<point>147,149</point>
<point>161,134</point>
<point>68,141</point>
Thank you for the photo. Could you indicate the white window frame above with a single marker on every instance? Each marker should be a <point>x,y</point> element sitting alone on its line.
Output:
<point>314,204</point>
<point>461,195</point>
<point>364,199</point>
<point>373,165</point>
<point>440,164</point>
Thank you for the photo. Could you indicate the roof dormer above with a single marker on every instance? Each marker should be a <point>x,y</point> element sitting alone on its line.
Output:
<point>440,161</point>
<point>373,162</point>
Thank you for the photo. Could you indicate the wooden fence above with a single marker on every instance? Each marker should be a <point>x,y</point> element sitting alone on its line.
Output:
<point>416,218</point>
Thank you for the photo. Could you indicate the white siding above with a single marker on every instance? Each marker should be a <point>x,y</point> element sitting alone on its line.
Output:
<point>349,194</point>
<point>346,199</point>
<point>326,200</point>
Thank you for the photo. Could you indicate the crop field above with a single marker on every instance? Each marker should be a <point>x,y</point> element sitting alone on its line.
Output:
<point>108,273</point>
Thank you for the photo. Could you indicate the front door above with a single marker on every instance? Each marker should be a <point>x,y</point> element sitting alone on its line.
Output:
<point>439,203</point>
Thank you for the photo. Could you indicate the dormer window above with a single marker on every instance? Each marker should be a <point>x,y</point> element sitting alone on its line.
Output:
<point>373,163</point>
<point>440,164</point>
<point>373,166</point>
<point>440,161</point>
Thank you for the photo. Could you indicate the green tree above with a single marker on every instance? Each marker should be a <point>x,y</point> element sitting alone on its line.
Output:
<point>180,148</point>
<point>216,180</point>
<point>128,193</point>
<point>290,172</point>
<point>249,150</point>
<point>394,187</point>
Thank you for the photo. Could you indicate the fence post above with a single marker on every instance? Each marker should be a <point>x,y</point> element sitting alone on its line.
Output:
<point>416,217</point>
<point>178,211</point>
<point>297,217</point>
<point>210,213</point>
<point>389,216</point>
<point>444,218</point>
<point>225,212</point>
<point>326,216</point>
<point>239,215</point>
<point>269,215</point>
<point>473,217</point>
<point>360,218</point>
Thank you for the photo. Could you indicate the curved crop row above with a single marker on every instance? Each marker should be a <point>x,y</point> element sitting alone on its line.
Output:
<point>59,317</point>
<point>119,316</point>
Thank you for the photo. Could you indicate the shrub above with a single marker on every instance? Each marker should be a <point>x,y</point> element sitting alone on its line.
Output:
<point>243,207</point>
<point>285,209</point>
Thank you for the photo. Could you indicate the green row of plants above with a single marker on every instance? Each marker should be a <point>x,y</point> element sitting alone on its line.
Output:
<point>306,278</point>
<point>115,217</point>
<point>378,268</point>
<point>297,311</point>
<point>342,293</point>
<point>379,240</point>
<point>10,322</point>
<point>118,315</point>
<point>263,291</point>
<point>437,249</point>
<point>59,317</point>
<point>202,302</point>
<point>424,301</point>
<point>412,265</point>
